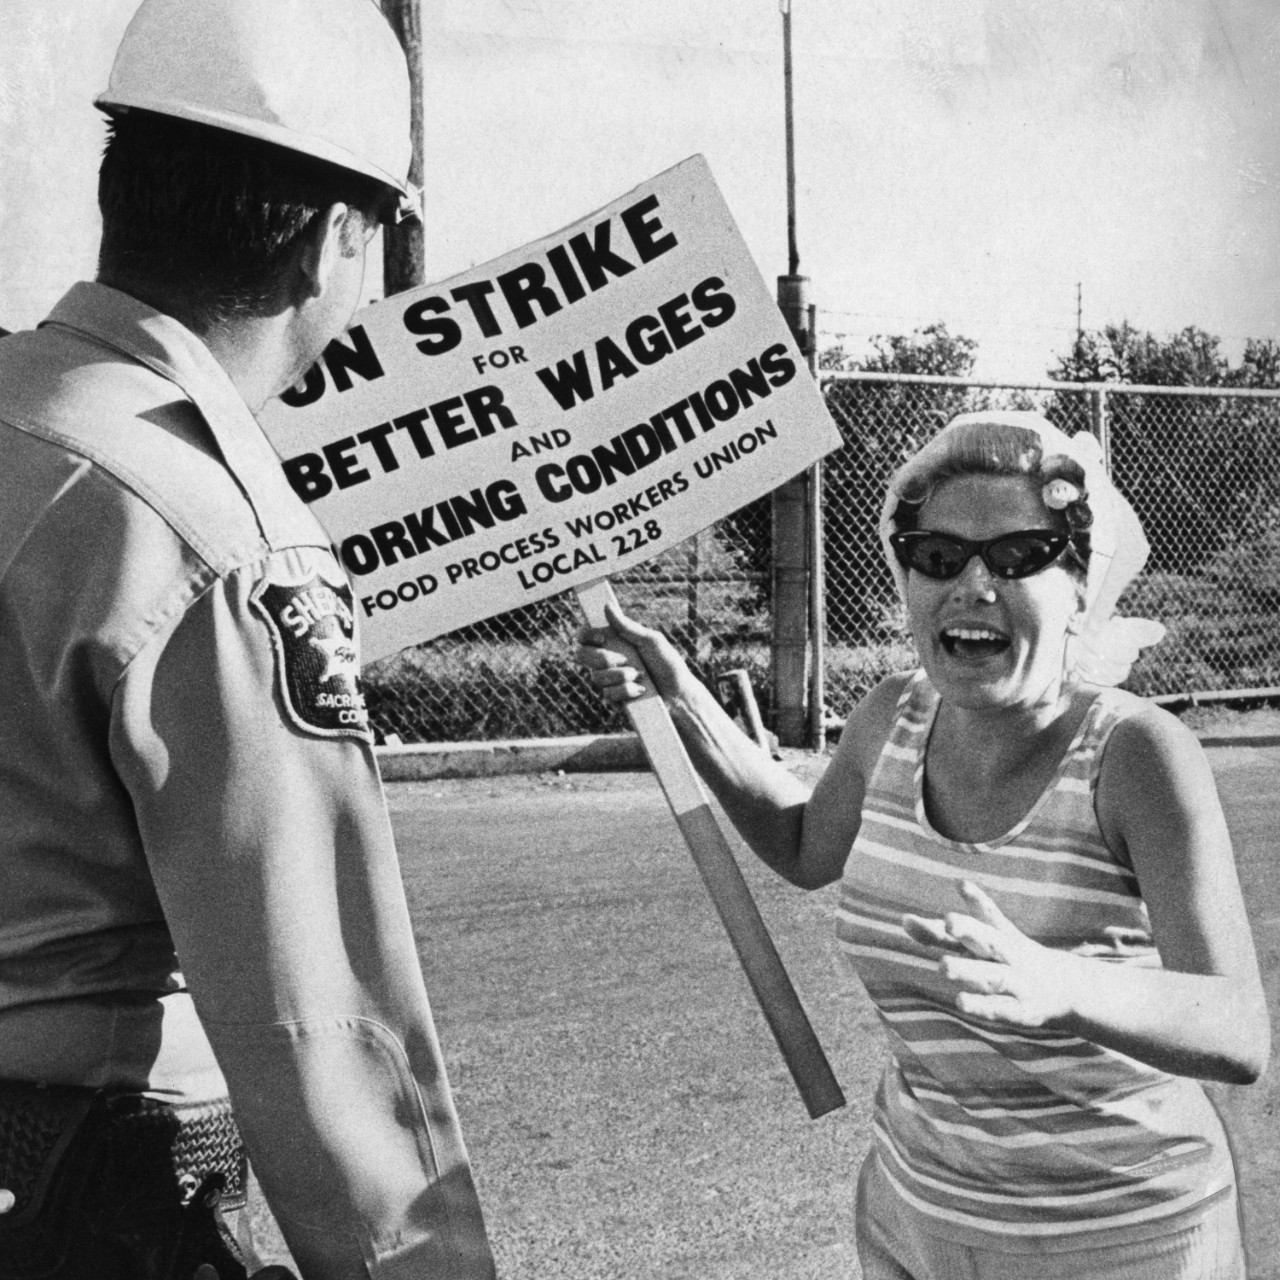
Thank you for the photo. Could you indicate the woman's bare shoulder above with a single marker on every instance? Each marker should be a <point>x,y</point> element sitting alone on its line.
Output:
<point>1153,768</point>
<point>871,722</point>
<point>834,812</point>
<point>1147,736</point>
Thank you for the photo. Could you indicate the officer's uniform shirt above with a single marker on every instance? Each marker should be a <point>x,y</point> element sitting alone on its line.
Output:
<point>191,807</point>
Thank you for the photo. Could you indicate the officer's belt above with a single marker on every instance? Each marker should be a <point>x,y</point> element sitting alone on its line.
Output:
<point>66,1150</point>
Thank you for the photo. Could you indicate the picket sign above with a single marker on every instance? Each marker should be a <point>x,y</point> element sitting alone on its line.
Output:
<point>759,958</point>
<point>553,418</point>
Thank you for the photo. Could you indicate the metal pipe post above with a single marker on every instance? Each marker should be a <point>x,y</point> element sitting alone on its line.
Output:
<point>1101,427</point>
<point>817,584</point>
<point>791,500</point>
<point>793,252</point>
<point>791,559</point>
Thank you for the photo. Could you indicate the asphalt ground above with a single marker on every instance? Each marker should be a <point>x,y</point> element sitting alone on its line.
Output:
<point>627,1112</point>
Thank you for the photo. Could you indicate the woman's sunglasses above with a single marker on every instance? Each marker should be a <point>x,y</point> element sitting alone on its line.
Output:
<point>1012,555</point>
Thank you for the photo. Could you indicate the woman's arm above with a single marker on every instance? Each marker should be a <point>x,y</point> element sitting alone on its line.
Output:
<point>1204,1014</point>
<point>805,837</point>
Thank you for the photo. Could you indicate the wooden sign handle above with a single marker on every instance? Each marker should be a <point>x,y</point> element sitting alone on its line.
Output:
<point>720,873</point>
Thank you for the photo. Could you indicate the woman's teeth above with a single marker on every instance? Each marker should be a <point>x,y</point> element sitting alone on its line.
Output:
<point>973,641</point>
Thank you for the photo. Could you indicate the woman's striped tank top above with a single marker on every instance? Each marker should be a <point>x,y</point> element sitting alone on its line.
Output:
<point>1019,1140</point>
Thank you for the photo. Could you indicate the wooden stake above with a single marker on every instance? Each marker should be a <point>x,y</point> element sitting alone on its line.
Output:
<point>720,873</point>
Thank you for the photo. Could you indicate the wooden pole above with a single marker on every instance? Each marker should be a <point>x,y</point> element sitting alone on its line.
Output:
<point>720,873</point>
<point>403,257</point>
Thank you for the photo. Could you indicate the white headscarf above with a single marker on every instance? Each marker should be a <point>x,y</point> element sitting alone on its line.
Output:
<point>1105,647</point>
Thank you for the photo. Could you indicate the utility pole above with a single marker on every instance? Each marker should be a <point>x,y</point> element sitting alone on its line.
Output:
<point>1079,326</point>
<point>793,251</point>
<point>791,502</point>
<point>403,259</point>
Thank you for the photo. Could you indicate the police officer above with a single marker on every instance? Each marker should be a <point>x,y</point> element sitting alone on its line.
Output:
<point>199,894</point>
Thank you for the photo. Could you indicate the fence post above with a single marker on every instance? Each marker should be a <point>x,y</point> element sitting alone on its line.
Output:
<point>790,556</point>
<point>693,615</point>
<point>817,582</point>
<point>790,610</point>
<point>1101,427</point>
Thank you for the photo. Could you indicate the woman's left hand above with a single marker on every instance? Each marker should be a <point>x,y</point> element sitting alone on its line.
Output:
<point>997,972</point>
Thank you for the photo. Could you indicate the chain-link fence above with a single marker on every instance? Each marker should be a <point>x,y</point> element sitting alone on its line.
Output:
<point>513,676</point>
<point>1200,465</point>
<point>1202,468</point>
<point>1203,473</point>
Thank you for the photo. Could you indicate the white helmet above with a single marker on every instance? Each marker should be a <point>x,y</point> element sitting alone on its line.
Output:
<point>324,77</point>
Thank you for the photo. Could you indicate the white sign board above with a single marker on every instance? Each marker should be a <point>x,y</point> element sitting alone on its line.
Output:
<point>558,415</point>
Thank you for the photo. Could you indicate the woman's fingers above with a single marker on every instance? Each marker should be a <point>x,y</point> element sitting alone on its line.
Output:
<point>619,684</point>
<point>597,657</point>
<point>984,905</point>
<point>624,643</point>
<point>929,932</point>
<point>612,672</point>
<point>994,992</point>
<point>606,677</point>
<point>932,932</point>
<point>981,976</point>
<point>628,628</point>
<point>620,628</point>
<point>957,933</point>
<point>976,936</point>
<point>994,970</point>
<point>620,694</point>
<point>1004,1009</point>
<point>987,934</point>
<point>617,677</point>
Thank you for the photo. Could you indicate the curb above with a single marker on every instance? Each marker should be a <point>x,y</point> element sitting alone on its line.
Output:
<point>589,753</point>
<point>1208,739</point>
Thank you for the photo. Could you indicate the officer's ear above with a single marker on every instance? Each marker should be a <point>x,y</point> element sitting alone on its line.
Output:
<point>322,245</point>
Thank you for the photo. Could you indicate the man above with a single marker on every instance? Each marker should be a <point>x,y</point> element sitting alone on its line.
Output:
<point>199,893</point>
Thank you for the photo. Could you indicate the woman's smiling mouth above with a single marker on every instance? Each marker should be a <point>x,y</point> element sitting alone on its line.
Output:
<point>973,642</point>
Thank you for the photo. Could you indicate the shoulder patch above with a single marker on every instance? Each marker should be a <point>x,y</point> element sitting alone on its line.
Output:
<point>312,627</point>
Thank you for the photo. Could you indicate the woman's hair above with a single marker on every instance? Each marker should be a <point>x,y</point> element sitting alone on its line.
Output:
<point>209,214</point>
<point>1001,449</point>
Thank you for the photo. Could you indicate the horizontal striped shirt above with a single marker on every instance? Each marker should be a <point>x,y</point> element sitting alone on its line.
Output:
<point>1018,1139</point>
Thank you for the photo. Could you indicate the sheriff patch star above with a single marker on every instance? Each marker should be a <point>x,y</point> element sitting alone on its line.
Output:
<point>313,635</point>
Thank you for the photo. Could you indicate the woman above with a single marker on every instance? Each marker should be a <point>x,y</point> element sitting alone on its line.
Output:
<point>1038,888</point>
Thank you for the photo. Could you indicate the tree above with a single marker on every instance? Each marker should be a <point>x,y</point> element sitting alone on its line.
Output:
<point>1201,471</point>
<point>834,357</point>
<point>930,350</point>
<point>1260,367</point>
<point>1189,358</point>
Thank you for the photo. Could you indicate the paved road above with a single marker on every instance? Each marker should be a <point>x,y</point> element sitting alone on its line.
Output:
<point>627,1112</point>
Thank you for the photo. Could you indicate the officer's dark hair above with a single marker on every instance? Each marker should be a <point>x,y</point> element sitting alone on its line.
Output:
<point>211,217</point>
